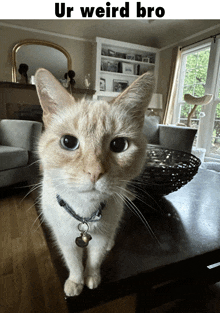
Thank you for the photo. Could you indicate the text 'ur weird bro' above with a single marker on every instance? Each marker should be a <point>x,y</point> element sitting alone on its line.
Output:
<point>108,11</point>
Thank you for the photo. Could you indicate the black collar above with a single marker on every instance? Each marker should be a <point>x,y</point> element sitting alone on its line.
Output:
<point>96,216</point>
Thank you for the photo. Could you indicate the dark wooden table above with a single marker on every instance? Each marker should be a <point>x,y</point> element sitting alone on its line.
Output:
<point>187,225</point>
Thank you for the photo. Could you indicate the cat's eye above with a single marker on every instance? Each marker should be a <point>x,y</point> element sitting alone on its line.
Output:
<point>119,144</point>
<point>69,142</point>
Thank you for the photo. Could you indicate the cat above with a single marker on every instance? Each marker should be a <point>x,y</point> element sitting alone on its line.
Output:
<point>89,151</point>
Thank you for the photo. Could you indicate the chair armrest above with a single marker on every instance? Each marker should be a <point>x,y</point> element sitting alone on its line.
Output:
<point>20,133</point>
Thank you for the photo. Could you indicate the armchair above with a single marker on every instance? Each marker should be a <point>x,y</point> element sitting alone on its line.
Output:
<point>18,140</point>
<point>169,136</point>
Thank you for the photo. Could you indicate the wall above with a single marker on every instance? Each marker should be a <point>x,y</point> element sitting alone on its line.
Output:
<point>81,53</point>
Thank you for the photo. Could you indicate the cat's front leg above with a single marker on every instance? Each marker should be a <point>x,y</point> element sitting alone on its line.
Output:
<point>96,252</point>
<point>75,282</point>
<point>73,257</point>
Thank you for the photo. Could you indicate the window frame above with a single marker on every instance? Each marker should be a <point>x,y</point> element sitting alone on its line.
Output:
<point>206,124</point>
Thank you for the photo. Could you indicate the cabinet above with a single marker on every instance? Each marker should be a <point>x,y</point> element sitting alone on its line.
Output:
<point>118,64</point>
<point>20,101</point>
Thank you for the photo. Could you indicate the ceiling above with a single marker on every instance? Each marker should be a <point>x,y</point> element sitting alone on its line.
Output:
<point>158,33</point>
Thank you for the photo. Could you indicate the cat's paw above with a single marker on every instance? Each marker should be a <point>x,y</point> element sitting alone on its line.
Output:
<point>72,289</point>
<point>92,281</point>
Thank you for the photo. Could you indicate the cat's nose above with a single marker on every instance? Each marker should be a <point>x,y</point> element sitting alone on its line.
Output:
<point>95,173</point>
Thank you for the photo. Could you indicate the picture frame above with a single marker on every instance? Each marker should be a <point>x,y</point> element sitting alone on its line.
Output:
<point>119,85</point>
<point>104,51</point>
<point>112,66</point>
<point>120,55</point>
<point>102,84</point>
<point>111,53</point>
<point>138,57</point>
<point>104,65</point>
<point>146,59</point>
<point>130,56</point>
<point>127,68</point>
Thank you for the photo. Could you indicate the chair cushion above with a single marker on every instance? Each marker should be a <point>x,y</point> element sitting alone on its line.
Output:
<point>12,157</point>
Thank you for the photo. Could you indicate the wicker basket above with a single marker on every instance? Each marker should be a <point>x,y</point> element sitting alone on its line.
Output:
<point>167,170</point>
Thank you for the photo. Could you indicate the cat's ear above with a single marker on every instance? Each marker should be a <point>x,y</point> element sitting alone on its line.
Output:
<point>137,96</point>
<point>52,95</point>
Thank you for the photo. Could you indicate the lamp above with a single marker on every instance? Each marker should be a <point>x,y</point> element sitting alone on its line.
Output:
<point>155,106</point>
<point>155,103</point>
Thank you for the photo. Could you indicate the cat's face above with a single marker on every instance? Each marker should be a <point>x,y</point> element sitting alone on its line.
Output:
<point>91,146</point>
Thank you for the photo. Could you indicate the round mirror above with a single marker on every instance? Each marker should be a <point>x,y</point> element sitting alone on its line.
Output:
<point>35,54</point>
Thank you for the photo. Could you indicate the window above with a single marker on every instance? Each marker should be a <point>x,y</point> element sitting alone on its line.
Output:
<point>200,75</point>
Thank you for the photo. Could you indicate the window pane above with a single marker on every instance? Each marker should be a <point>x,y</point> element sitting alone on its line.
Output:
<point>191,61</point>
<point>195,74</point>
<point>188,89</point>
<point>199,91</point>
<point>201,74</point>
<point>215,145</point>
<point>203,56</point>
<point>185,109</point>
<point>190,77</point>
<point>197,112</point>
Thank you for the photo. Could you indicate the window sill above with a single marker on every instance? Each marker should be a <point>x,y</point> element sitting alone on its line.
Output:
<point>212,158</point>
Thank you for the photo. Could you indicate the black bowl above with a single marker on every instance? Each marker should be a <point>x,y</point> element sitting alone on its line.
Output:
<point>167,170</point>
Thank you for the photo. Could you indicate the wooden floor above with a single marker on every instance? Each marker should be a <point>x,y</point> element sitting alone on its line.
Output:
<point>28,281</point>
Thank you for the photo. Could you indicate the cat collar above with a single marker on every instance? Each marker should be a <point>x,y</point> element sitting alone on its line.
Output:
<point>96,216</point>
<point>85,237</point>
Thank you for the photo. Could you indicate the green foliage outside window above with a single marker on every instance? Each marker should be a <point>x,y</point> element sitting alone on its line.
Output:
<point>195,79</point>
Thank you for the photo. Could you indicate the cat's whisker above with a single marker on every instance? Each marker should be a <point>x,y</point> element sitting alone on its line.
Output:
<point>38,218</point>
<point>134,184</point>
<point>64,180</point>
<point>120,196</point>
<point>137,197</point>
<point>125,201</point>
<point>35,187</point>
<point>115,198</point>
<point>138,213</point>
<point>37,200</point>
<point>38,226</point>
<point>34,162</point>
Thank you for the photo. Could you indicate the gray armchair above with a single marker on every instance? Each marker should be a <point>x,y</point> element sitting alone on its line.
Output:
<point>18,141</point>
<point>168,136</point>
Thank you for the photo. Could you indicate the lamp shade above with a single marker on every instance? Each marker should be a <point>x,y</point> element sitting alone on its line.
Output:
<point>156,102</point>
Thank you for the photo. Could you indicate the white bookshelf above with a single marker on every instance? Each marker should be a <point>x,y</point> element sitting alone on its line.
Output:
<point>119,63</point>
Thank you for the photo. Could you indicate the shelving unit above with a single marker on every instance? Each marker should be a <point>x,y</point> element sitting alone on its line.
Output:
<point>118,64</point>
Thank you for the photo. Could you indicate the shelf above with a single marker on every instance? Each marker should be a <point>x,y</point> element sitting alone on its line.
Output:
<point>17,85</point>
<point>119,74</point>
<point>33,87</point>
<point>106,57</point>
<point>117,63</point>
<point>107,94</point>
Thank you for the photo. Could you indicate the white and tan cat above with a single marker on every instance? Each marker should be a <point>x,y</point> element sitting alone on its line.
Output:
<point>89,152</point>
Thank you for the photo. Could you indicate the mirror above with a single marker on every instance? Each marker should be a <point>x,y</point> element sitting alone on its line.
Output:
<point>36,54</point>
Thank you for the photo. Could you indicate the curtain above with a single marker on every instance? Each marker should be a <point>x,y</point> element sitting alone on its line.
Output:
<point>174,76</point>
